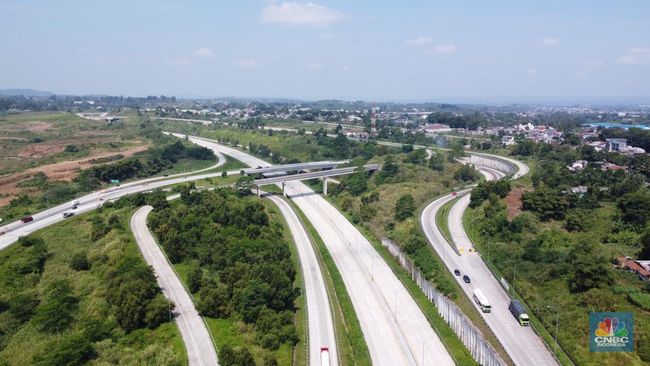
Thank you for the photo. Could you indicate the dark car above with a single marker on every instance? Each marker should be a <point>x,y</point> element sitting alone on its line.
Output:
<point>68,214</point>
<point>27,219</point>
<point>466,279</point>
<point>457,272</point>
<point>74,207</point>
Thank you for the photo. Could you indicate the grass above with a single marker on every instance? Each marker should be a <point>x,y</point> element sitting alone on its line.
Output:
<point>442,220</point>
<point>351,344</point>
<point>143,346</point>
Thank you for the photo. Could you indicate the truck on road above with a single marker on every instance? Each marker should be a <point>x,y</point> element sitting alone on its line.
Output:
<point>519,312</point>
<point>324,356</point>
<point>482,301</point>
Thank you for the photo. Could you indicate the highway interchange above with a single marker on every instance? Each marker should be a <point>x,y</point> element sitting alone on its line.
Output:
<point>395,329</point>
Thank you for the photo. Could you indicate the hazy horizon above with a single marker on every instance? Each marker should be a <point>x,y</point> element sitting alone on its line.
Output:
<point>364,50</point>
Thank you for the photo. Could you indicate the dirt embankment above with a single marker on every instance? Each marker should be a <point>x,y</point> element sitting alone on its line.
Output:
<point>513,202</point>
<point>64,171</point>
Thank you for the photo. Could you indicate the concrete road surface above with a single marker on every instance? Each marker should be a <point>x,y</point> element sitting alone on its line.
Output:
<point>319,313</point>
<point>198,343</point>
<point>11,232</point>
<point>521,343</point>
<point>395,329</point>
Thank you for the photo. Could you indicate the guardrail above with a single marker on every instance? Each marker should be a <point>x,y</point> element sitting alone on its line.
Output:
<point>469,334</point>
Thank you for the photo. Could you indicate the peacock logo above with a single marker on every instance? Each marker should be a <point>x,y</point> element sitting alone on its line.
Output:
<point>611,332</point>
<point>611,327</point>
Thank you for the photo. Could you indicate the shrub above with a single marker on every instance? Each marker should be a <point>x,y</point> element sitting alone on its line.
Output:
<point>70,350</point>
<point>79,261</point>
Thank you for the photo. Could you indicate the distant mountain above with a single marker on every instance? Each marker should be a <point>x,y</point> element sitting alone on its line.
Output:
<point>25,92</point>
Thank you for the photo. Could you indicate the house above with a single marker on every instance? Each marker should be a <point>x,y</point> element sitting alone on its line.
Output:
<point>578,165</point>
<point>640,267</point>
<point>508,140</point>
<point>616,145</point>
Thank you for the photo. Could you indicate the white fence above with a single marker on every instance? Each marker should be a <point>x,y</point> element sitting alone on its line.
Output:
<point>492,163</point>
<point>471,337</point>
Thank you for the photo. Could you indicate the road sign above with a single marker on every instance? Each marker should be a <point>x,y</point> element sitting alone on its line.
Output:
<point>115,181</point>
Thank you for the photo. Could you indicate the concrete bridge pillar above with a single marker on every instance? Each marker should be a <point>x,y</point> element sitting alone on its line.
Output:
<point>325,186</point>
<point>284,192</point>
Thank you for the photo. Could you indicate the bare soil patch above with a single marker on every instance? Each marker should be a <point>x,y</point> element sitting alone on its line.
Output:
<point>513,202</point>
<point>64,171</point>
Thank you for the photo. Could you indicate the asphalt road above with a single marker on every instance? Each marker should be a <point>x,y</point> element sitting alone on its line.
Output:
<point>394,327</point>
<point>91,201</point>
<point>198,343</point>
<point>521,343</point>
<point>319,313</point>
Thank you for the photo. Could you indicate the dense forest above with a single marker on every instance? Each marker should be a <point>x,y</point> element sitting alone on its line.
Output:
<point>239,263</point>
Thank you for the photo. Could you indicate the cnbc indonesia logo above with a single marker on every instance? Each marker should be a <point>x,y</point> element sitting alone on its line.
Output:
<point>611,332</point>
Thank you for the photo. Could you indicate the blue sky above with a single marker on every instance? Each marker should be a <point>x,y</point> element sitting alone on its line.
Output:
<point>380,50</point>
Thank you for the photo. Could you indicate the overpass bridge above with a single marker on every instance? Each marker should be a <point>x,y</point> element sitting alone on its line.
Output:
<point>295,167</point>
<point>323,174</point>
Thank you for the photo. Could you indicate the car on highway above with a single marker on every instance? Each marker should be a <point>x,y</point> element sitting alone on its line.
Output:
<point>74,207</point>
<point>26,219</point>
<point>457,272</point>
<point>466,279</point>
<point>68,214</point>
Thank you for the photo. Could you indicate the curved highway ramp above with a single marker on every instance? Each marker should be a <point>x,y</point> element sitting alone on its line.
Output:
<point>198,343</point>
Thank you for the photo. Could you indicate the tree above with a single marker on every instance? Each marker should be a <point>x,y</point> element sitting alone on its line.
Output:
<point>358,182</point>
<point>437,162</point>
<point>589,269</point>
<point>417,157</point>
<point>644,254</point>
<point>525,148</point>
<point>244,185</point>
<point>194,278</point>
<point>547,203</point>
<point>56,312</point>
<point>404,207</point>
<point>388,170</point>
<point>236,356</point>
<point>635,208</point>
<point>157,199</point>
<point>466,173</point>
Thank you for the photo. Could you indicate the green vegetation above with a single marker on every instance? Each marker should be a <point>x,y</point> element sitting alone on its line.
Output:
<point>239,265</point>
<point>80,291</point>
<point>559,252</point>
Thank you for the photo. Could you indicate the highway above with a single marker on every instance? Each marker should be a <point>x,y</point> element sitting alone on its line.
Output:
<point>319,313</point>
<point>321,329</point>
<point>394,327</point>
<point>198,343</point>
<point>521,343</point>
<point>89,202</point>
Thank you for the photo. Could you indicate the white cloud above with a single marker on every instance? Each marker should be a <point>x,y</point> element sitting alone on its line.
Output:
<point>443,49</point>
<point>203,53</point>
<point>315,66</point>
<point>179,61</point>
<point>247,64</point>
<point>550,41</point>
<point>635,56</point>
<point>289,13</point>
<point>531,71</point>
<point>589,69</point>
<point>419,40</point>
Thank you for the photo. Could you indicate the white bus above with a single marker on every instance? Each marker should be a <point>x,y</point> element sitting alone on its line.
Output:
<point>482,301</point>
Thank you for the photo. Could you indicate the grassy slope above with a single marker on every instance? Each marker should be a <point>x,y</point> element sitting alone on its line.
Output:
<point>143,346</point>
